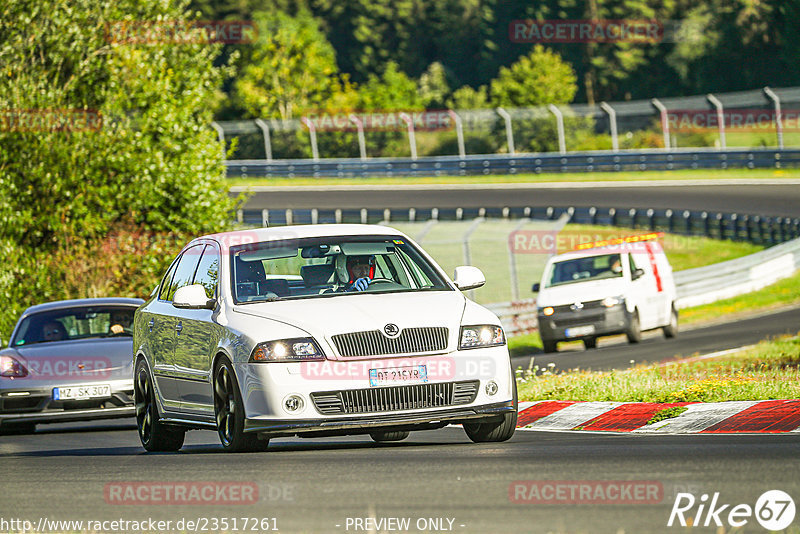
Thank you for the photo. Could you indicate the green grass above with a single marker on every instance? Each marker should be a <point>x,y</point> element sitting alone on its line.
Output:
<point>699,174</point>
<point>771,370</point>
<point>666,413</point>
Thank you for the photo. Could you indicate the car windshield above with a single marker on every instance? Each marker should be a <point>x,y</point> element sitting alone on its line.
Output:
<point>75,323</point>
<point>329,267</point>
<point>586,268</point>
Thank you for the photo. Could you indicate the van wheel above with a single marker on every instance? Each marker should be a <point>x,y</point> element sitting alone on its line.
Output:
<point>590,342</point>
<point>549,345</point>
<point>671,330</point>
<point>634,331</point>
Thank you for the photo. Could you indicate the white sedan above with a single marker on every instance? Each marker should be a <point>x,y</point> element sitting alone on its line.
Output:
<point>315,331</point>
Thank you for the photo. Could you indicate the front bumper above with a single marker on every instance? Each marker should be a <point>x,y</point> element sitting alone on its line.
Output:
<point>562,325</point>
<point>35,404</point>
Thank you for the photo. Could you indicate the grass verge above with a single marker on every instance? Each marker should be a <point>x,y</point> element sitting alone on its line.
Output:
<point>770,370</point>
<point>689,174</point>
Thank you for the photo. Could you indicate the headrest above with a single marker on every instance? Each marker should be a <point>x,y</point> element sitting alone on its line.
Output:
<point>316,275</point>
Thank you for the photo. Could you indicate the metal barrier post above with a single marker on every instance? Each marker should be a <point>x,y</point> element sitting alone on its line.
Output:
<point>662,109</point>
<point>221,136</point>
<point>412,140</point>
<point>612,119</point>
<point>459,133</point>
<point>362,142</point>
<point>720,118</point>
<point>312,132</point>
<point>267,141</point>
<point>509,131</point>
<point>562,143</point>
<point>778,122</point>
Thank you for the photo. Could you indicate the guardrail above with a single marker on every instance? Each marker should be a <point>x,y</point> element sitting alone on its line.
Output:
<point>635,160</point>
<point>701,285</point>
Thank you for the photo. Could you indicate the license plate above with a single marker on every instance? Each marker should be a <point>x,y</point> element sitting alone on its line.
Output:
<point>579,331</point>
<point>98,391</point>
<point>415,374</point>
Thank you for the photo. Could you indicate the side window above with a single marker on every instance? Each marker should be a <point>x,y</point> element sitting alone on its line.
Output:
<point>208,271</point>
<point>632,264</point>
<point>184,273</point>
<point>165,283</point>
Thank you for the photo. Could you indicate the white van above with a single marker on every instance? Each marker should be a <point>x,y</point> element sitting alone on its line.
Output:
<point>619,286</point>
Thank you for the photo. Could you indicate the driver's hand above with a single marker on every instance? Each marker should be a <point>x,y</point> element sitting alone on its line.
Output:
<point>361,284</point>
<point>117,329</point>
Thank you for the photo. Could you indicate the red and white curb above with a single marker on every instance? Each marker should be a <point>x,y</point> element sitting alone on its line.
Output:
<point>772,416</point>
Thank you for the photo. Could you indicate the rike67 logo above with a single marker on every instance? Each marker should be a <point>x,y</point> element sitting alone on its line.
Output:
<point>774,510</point>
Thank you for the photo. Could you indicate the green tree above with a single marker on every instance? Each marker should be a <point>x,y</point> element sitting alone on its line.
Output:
<point>390,91</point>
<point>539,78</point>
<point>433,86</point>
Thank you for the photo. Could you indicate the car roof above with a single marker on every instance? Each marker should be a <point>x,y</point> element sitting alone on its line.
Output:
<point>299,232</point>
<point>611,249</point>
<point>79,303</point>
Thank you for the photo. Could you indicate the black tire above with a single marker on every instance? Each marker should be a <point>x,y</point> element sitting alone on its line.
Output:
<point>671,330</point>
<point>229,412</point>
<point>17,429</point>
<point>495,431</point>
<point>590,342</point>
<point>634,331</point>
<point>154,435</point>
<point>398,435</point>
<point>549,345</point>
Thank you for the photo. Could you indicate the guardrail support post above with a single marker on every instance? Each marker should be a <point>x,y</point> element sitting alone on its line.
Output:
<point>267,140</point>
<point>662,110</point>
<point>509,131</point>
<point>687,216</point>
<point>362,142</point>
<point>562,143</point>
<point>312,133</point>
<point>459,133</point>
<point>720,118</point>
<point>265,218</point>
<point>221,136</point>
<point>412,140</point>
<point>778,120</point>
<point>612,120</point>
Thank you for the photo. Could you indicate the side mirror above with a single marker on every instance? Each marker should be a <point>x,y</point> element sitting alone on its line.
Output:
<point>468,277</point>
<point>536,287</point>
<point>193,297</point>
<point>638,273</point>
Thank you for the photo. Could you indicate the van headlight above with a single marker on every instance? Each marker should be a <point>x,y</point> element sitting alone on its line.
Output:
<point>610,302</point>
<point>485,335</point>
<point>302,349</point>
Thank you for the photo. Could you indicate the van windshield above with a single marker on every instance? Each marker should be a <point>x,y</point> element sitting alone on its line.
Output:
<point>584,269</point>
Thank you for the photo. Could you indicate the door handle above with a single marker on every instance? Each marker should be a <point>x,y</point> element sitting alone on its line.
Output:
<point>150,324</point>
<point>179,327</point>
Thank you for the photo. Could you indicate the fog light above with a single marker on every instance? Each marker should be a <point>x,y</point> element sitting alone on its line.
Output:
<point>293,403</point>
<point>491,388</point>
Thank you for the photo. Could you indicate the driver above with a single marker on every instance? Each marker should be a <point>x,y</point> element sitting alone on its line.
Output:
<point>53,331</point>
<point>361,271</point>
<point>120,323</point>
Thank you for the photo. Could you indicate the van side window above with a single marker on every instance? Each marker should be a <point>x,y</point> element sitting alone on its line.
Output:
<point>633,263</point>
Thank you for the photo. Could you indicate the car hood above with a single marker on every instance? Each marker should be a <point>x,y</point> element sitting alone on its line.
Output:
<point>328,316</point>
<point>75,361</point>
<point>582,292</point>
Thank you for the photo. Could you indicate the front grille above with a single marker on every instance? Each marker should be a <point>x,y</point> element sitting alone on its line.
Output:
<point>395,398</point>
<point>588,305</point>
<point>583,319</point>
<point>374,343</point>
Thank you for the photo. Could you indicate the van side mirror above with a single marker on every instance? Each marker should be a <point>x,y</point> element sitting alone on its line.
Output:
<point>193,297</point>
<point>536,287</point>
<point>638,273</point>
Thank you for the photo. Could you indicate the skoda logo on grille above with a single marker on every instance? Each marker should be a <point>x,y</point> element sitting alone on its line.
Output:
<point>391,330</point>
<point>577,306</point>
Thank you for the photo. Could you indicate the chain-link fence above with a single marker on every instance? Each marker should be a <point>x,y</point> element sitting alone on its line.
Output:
<point>747,119</point>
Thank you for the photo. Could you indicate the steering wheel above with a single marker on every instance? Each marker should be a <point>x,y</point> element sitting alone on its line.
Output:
<point>384,280</point>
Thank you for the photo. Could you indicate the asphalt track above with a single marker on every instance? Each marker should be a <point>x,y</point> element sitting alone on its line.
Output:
<point>315,485</point>
<point>765,198</point>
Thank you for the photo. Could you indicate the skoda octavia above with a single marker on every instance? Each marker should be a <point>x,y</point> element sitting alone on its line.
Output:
<point>312,331</point>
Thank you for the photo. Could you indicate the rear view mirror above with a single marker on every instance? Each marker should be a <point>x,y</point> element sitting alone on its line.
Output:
<point>468,277</point>
<point>193,297</point>
<point>536,287</point>
<point>638,273</point>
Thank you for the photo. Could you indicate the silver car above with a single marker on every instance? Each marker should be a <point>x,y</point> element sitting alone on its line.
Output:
<point>68,361</point>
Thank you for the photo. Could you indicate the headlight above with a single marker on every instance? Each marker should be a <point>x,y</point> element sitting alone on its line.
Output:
<point>12,368</point>
<point>287,350</point>
<point>608,302</point>
<point>487,335</point>
<point>548,311</point>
